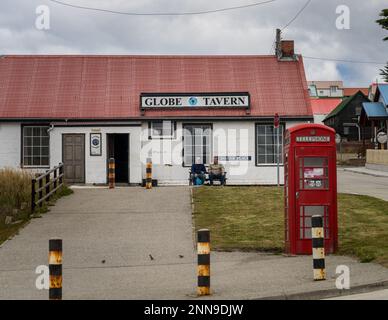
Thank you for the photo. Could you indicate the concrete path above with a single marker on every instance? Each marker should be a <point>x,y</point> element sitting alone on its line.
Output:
<point>362,183</point>
<point>121,226</point>
<point>124,226</point>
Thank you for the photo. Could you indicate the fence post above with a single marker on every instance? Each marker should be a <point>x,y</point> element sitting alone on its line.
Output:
<point>61,173</point>
<point>55,179</point>
<point>318,242</point>
<point>55,269</point>
<point>48,184</point>
<point>111,173</point>
<point>40,191</point>
<point>203,248</point>
<point>33,193</point>
<point>149,174</point>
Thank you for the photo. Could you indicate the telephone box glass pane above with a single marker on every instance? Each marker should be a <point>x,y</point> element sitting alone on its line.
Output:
<point>306,212</point>
<point>313,173</point>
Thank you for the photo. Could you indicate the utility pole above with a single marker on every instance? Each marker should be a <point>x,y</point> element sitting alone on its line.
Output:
<point>278,50</point>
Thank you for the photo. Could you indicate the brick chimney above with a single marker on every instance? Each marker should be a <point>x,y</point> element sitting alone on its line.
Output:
<point>287,48</point>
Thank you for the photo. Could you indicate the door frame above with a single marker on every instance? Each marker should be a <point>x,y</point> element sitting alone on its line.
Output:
<point>107,154</point>
<point>63,152</point>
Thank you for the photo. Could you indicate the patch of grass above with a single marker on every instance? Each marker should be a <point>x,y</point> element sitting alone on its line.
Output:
<point>244,218</point>
<point>15,200</point>
<point>252,218</point>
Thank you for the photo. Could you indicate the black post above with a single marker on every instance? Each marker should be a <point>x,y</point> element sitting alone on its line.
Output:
<point>48,185</point>
<point>33,192</point>
<point>40,191</point>
<point>55,180</point>
<point>61,173</point>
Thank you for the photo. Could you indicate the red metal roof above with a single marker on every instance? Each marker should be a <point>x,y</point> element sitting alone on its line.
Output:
<point>324,106</point>
<point>348,92</point>
<point>109,87</point>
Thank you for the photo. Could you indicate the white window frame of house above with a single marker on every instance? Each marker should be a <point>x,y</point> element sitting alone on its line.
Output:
<point>191,147</point>
<point>334,89</point>
<point>168,129</point>
<point>34,142</point>
<point>263,141</point>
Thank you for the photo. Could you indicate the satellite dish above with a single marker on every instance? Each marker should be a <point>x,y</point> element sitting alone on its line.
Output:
<point>338,138</point>
<point>382,137</point>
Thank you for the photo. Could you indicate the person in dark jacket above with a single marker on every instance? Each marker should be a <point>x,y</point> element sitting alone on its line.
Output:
<point>198,170</point>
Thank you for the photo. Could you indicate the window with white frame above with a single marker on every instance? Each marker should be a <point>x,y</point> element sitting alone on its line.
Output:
<point>266,144</point>
<point>162,129</point>
<point>36,146</point>
<point>196,144</point>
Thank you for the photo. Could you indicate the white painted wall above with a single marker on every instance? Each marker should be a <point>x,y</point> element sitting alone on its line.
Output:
<point>169,169</point>
<point>318,118</point>
<point>328,93</point>
<point>95,166</point>
<point>244,172</point>
<point>10,147</point>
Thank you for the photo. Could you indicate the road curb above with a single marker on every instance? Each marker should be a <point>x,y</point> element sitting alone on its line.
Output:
<point>331,293</point>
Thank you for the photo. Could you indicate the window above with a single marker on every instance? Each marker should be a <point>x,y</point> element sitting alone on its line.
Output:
<point>333,89</point>
<point>346,131</point>
<point>196,144</point>
<point>35,146</point>
<point>266,149</point>
<point>162,129</point>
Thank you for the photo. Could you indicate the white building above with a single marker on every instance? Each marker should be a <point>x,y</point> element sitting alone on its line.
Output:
<point>82,110</point>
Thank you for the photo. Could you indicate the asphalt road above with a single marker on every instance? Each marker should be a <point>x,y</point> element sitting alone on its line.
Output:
<point>357,183</point>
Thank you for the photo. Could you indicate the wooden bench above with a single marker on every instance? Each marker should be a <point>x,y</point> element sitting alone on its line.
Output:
<point>207,180</point>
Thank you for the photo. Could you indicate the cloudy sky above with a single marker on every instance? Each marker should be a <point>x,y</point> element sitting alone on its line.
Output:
<point>243,31</point>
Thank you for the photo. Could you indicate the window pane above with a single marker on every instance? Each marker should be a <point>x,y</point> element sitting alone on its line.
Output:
<point>45,141</point>
<point>261,139</point>
<point>27,151</point>
<point>266,140</point>
<point>36,131</point>
<point>36,161</point>
<point>35,145</point>
<point>197,144</point>
<point>45,161</point>
<point>28,131</point>
<point>44,151</point>
<point>27,161</point>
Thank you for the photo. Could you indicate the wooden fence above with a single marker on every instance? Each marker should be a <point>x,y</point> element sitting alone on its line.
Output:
<point>45,185</point>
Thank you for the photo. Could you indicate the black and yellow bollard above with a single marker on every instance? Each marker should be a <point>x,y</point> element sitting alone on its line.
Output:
<point>203,247</point>
<point>318,241</point>
<point>111,173</point>
<point>149,174</point>
<point>55,269</point>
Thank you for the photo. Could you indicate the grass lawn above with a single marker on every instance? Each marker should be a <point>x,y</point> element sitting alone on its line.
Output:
<point>252,218</point>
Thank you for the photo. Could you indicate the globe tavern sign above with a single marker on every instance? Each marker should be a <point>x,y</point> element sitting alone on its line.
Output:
<point>195,100</point>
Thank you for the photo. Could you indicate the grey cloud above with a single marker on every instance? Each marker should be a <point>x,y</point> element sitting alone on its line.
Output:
<point>246,31</point>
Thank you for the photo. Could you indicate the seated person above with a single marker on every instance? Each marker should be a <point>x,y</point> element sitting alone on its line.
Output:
<point>216,172</point>
<point>198,170</point>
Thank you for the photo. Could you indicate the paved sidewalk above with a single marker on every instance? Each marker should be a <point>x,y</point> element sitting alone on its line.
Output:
<point>124,226</point>
<point>374,295</point>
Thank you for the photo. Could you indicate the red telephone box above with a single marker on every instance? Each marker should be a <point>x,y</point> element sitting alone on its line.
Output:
<point>310,182</point>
